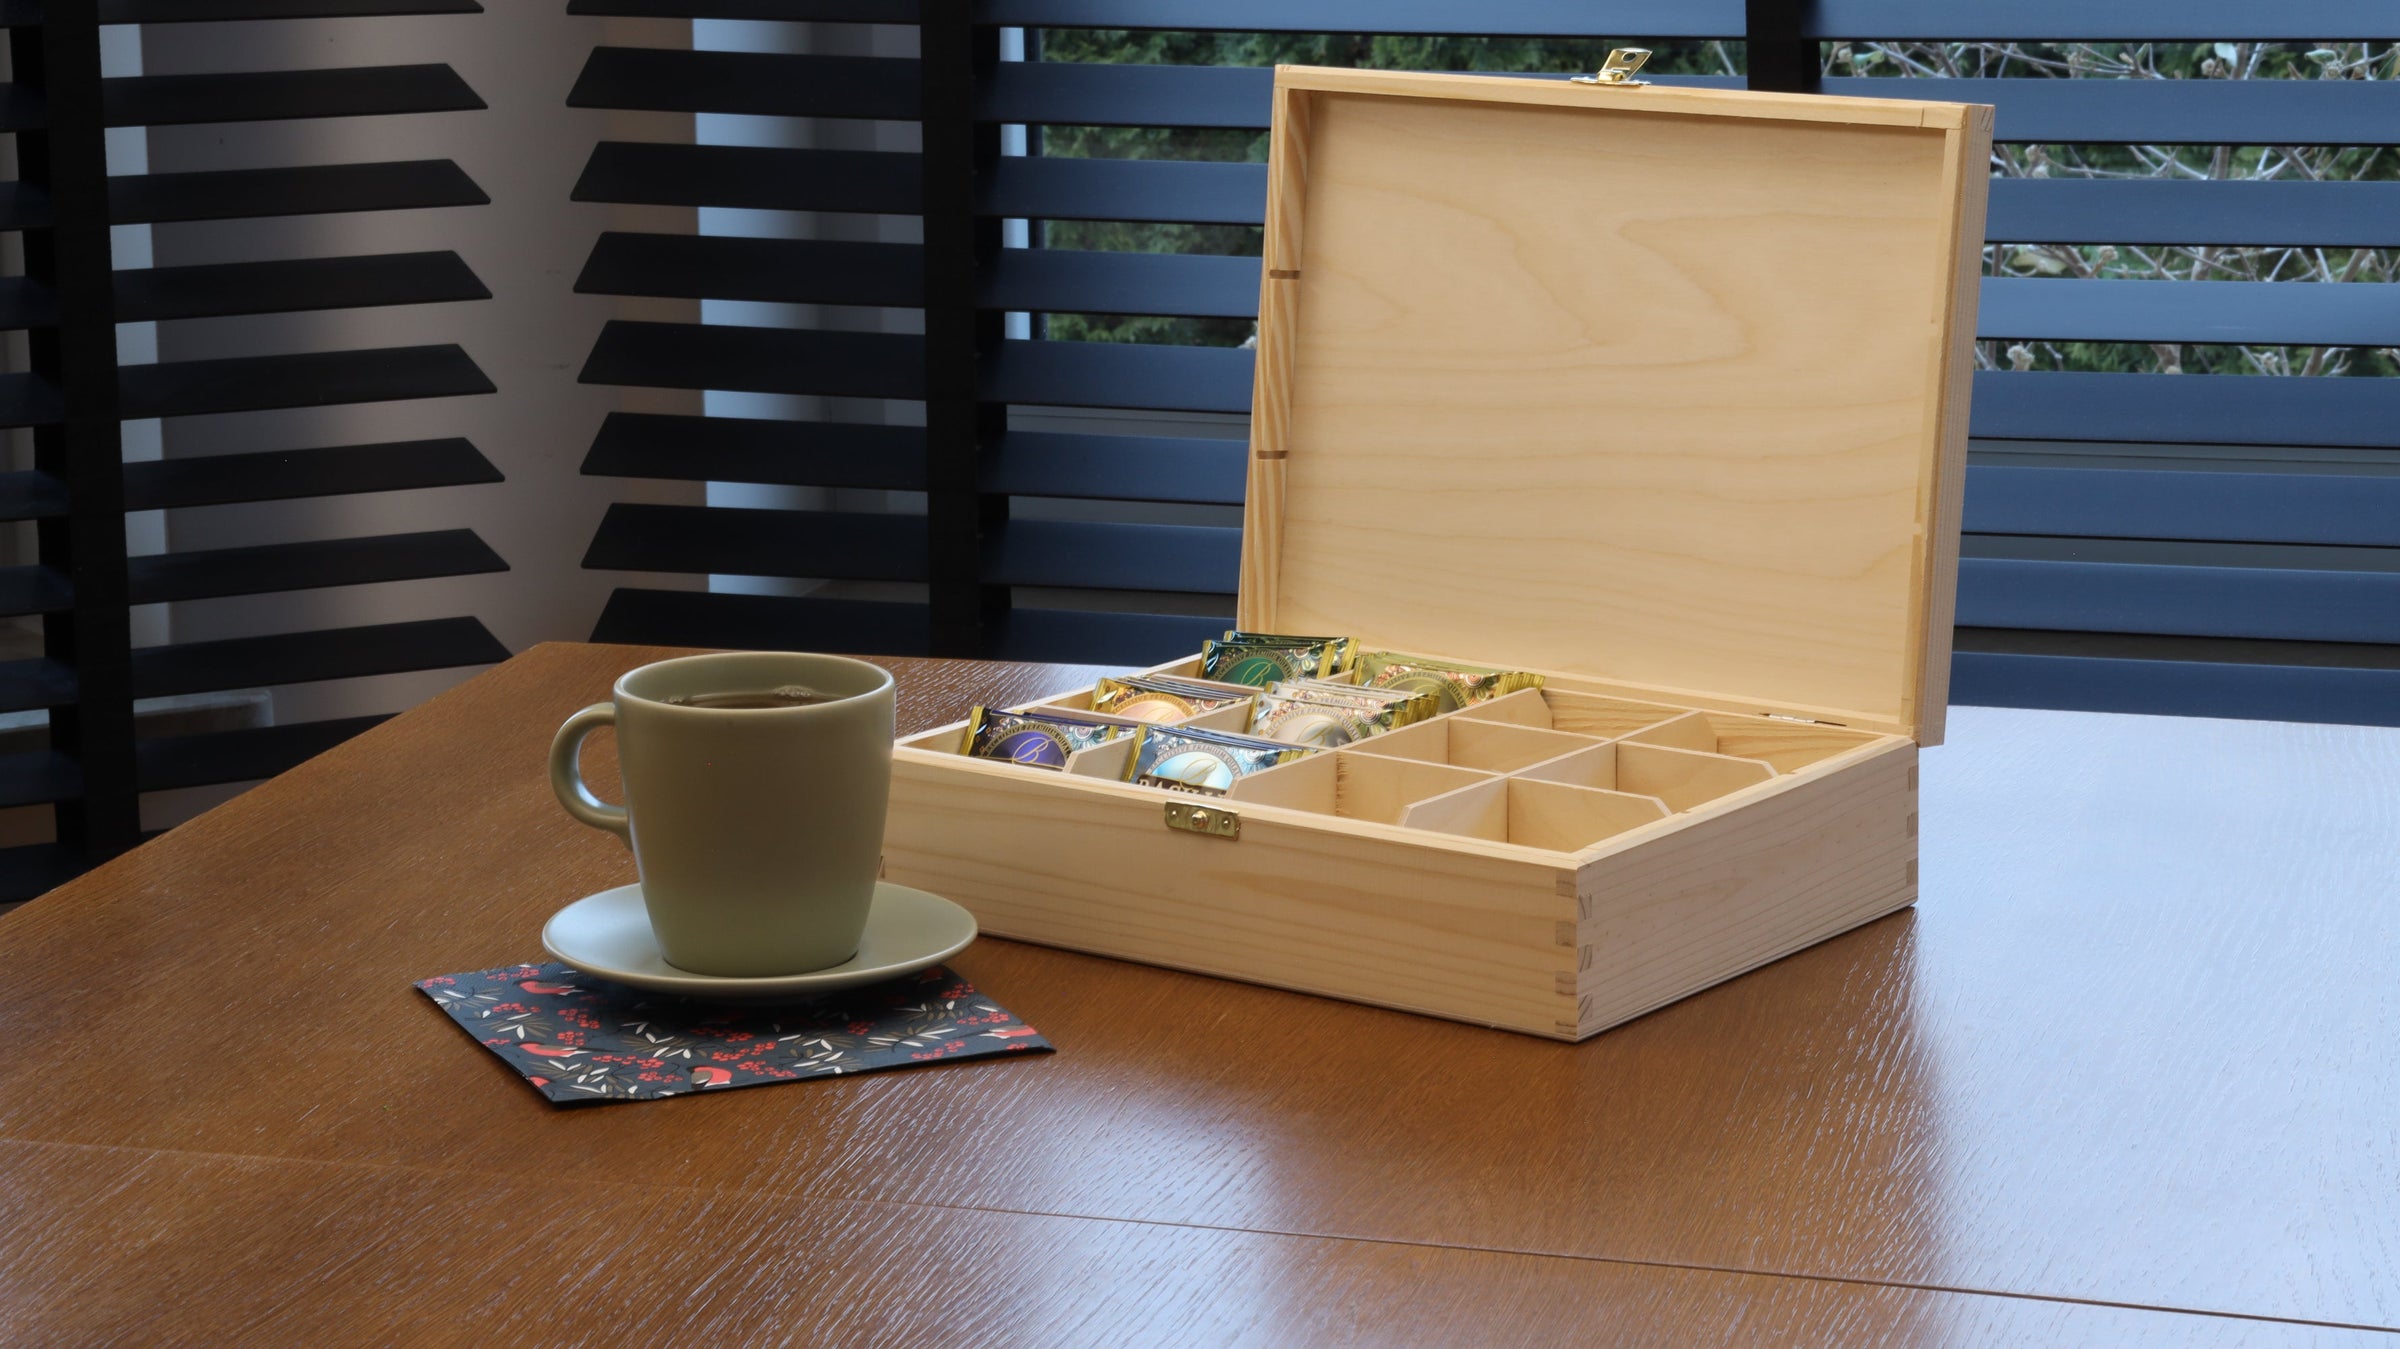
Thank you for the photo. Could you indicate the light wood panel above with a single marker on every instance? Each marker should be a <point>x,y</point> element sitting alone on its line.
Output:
<point>1604,385</point>
<point>2128,1049</point>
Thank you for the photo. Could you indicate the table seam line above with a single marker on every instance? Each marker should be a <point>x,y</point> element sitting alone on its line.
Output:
<point>1412,1242</point>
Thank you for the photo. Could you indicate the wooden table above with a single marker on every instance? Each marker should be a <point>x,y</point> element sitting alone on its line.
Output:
<point>2129,1073</point>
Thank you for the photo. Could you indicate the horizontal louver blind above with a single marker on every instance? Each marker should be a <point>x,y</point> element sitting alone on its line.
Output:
<point>76,398</point>
<point>2146,529</point>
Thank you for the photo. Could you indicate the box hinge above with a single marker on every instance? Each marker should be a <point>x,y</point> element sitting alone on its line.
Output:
<point>1200,817</point>
<point>1619,68</point>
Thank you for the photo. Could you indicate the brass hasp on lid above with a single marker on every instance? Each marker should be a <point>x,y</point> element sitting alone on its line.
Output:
<point>1619,68</point>
<point>1198,818</point>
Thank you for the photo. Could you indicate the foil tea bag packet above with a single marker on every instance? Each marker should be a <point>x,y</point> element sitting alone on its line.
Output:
<point>1155,699</point>
<point>1207,762</point>
<point>1345,648</point>
<point>1261,660</point>
<point>1456,685</point>
<point>1320,724</point>
<point>1037,739</point>
<point>1414,707</point>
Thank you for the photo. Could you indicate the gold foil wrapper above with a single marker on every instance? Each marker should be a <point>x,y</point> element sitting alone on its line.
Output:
<point>1036,739</point>
<point>1455,685</point>
<point>1152,699</point>
<point>1262,661</point>
<point>1206,762</point>
<point>1322,724</point>
<point>1412,706</point>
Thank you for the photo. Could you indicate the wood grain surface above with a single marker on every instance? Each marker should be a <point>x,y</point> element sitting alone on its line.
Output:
<point>220,1251</point>
<point>2134,1047</point>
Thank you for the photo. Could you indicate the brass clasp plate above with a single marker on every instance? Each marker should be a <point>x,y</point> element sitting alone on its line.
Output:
<point>1200,817</point>
<point>1619,68</point>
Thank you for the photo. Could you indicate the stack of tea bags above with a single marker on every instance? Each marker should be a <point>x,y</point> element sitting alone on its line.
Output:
<point>1304,694</point>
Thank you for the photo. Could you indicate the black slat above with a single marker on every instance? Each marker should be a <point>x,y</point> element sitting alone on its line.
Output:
<point>749,449</point>
<point>2195,677</point>
<point>663,80</point>
<point>21,108</point>
<point>2265,313</point>
<point>720,267</point>
<point>294,285</point>
<point>208,11</point>
<point>169,762</point>
<point>28,400</point>
<point>762,622</point>
<point>1509,18</point>
<point>2246,112</point>
<point>1121,283</point>
<point>24,206</point>
<point>2286,592</point>
<point>26,303</point>
<point>306,379</point>
<point>1118,468</point>
<point>2202,409</point>
<point>37,776</point>
<point>757,360</point>
<point>275,567</point>
<point>1120,375</point>
<point>830,544</point>
<point>2185,112</point>
<point>2260,494</point>
<point>32,589</point>
<point>2081,21</point>
<point>31,869</point>
<point>1040,187</point>
<point>39,682</point>
<point>29,494</point>
<point>279,475</point>
<point>1095,637</point>
<point>803,11</point>
<point>20,13</point>
<point>1205,559</point>
<point>2100,211</point>
<point>863,181</point>
<point>1079,94</point>
<point>309,657</point>
<point>278,95</point>
<point>331,189</point>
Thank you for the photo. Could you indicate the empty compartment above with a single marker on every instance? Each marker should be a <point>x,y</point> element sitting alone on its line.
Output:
<point>1353,786</point>
<point>1535,814</point>
<point>1785,745</point>
<point>1681,778</point>
<point>1591,714</point>
<point>1486,746</point>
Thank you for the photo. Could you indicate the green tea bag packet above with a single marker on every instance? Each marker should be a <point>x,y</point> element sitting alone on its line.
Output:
<point>1261,661</point>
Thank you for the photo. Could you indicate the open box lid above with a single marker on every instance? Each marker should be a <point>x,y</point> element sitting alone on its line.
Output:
<point>1662,386</point>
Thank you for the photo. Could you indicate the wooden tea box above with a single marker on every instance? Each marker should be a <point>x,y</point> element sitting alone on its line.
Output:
<point>1660,392</point>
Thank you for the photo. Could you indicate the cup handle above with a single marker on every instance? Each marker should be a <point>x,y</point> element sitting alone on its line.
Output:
<point>566,771</point>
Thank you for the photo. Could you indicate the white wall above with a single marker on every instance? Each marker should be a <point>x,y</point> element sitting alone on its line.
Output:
<point>531,338</point>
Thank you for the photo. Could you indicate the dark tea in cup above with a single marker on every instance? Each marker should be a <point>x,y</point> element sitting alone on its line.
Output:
<point>790,695</point>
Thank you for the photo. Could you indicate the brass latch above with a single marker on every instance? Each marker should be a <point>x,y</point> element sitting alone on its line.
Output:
<point>1199,817</point>
<point>1619,68</point>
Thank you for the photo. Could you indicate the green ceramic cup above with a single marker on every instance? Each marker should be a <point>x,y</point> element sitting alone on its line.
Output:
<point>758,832</point>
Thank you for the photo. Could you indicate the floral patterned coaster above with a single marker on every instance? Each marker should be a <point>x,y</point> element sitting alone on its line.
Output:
<point>579,1040</point>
